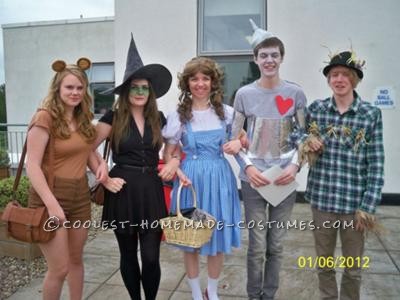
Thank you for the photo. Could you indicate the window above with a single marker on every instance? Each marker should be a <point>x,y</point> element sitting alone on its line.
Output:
<point>101,79</point>
<point>224,26</point>
<point>238,71</point>
<point>224,31</point>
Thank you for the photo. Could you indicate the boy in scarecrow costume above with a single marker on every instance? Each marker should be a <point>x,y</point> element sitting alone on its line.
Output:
<point>344,147</point>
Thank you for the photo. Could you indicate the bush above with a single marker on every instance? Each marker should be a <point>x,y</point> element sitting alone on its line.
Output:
<point>4,158</point>
<point>6,190</point>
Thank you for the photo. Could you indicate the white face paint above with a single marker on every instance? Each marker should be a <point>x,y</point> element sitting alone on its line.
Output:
<point>269,61</point>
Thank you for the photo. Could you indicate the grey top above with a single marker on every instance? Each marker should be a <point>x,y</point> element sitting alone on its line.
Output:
<point>280,105</point>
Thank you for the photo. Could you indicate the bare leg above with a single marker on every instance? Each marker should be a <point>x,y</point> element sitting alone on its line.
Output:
<point>214,265</point>
<point>191,264</point>
<point>77,238</point>
<point>56,253</point>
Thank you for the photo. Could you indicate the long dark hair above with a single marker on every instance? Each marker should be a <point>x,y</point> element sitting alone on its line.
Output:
<point>122,117</point>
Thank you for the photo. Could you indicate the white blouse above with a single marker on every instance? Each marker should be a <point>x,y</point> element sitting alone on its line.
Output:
<point>202,120</point>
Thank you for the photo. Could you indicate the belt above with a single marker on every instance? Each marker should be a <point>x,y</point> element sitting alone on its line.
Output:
<point>142,169</point>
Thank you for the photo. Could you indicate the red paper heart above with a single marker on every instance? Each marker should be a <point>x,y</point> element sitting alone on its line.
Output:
<point>283,104</point>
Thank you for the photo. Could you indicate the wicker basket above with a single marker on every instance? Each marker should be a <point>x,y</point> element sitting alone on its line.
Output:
<point>179,230</point>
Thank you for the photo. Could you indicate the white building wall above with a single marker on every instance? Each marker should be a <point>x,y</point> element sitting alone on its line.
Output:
<point>30,49</point>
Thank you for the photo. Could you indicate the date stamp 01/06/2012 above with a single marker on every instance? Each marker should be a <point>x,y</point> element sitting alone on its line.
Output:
<point>333,262</point>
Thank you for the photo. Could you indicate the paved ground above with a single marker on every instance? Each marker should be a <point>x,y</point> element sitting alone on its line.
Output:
<point>380,281</point>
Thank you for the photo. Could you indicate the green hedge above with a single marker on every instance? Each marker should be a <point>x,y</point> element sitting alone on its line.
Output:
<point>4,158</point>
<point>6,187</point>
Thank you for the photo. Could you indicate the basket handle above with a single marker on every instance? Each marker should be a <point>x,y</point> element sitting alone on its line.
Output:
<point>178,199</point>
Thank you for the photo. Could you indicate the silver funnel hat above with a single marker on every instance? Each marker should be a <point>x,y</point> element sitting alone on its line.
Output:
<point>259,34</point>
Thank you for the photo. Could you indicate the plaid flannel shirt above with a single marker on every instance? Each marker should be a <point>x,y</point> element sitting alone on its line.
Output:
<point>349,173</point>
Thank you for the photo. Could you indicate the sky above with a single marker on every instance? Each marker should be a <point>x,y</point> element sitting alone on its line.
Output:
<point>20,11</point>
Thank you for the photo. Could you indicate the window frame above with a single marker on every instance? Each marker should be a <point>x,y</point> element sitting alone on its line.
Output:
<point>200,33</point>
<point>223,59</point>
<point>93,83</point>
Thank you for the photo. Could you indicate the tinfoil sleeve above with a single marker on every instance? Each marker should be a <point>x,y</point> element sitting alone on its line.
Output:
<point>237,124</point>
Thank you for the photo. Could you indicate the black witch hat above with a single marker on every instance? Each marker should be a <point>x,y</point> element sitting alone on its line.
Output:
<point>158,75</point>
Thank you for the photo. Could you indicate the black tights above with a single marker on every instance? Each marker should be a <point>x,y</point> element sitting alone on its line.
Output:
<point>129,264</point>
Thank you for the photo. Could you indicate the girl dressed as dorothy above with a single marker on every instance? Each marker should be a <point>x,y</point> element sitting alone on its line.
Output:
<point>201,127</point>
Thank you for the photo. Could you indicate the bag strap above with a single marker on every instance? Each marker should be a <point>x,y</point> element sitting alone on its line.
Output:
<point>50,179</point>
<point>108,144</point>
<point>107,150</point>
<point>19,171</point>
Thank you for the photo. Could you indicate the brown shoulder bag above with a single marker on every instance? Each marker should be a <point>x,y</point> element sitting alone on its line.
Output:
<point>29,224</point>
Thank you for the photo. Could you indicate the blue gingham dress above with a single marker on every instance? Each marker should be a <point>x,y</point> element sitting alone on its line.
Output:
<point>215,186</point>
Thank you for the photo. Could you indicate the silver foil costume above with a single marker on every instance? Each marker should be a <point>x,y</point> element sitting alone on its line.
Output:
<point>268,138</point>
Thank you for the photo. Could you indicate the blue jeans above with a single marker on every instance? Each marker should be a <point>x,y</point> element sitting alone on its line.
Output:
<point>264,254</point>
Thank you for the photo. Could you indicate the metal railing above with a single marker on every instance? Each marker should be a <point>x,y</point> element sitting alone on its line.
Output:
<point>12,138</point>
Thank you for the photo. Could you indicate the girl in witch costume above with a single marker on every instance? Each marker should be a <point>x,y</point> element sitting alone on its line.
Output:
<point>134,127</point>
<point>64,120</point>
<point>201,124</point>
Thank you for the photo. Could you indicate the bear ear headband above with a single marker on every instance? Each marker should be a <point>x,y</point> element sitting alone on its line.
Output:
<point>83,63</point>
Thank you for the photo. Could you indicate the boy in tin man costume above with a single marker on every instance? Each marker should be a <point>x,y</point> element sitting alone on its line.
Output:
<point>274,110</point>
<point>344,147</point>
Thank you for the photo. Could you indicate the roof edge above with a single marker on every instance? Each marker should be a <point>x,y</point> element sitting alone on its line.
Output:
<point>58,22</point>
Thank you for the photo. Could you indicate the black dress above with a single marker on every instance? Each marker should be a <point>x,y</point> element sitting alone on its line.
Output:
<point>140,203</point>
